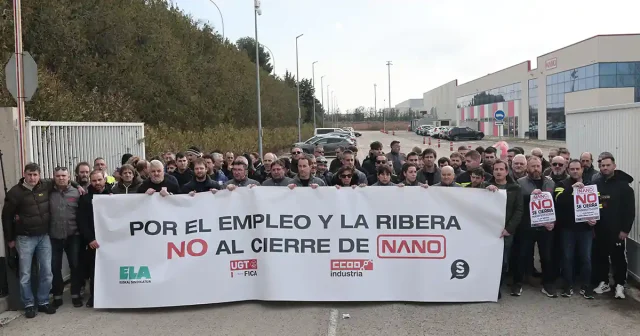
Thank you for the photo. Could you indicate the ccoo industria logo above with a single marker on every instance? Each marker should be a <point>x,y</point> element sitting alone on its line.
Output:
<point>133,275</point>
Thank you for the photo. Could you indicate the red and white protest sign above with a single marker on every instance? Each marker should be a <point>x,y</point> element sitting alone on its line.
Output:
<point>541,209</point>
<point>586,203</point>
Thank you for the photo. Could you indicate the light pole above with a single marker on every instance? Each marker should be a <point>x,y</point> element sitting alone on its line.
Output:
<point>384,119</point>
<point>313,78</point>
<point>328,101</point>
<point>257,11</point>
<point>222,18</point>
<point>322,97</point>
<point>375,98</point>
<point>298,87</point>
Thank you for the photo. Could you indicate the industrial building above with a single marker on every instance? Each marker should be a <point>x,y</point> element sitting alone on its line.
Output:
<point>600,71</point>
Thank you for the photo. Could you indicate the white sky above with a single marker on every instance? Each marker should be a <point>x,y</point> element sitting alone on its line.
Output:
<point>429,42</point>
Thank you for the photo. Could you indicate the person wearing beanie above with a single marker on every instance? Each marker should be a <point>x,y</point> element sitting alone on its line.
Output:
<point>192,153</point>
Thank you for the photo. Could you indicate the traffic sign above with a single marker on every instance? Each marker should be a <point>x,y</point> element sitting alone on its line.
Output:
<point>499,115</point>
<point>30,76</point>
<point>499,122</point>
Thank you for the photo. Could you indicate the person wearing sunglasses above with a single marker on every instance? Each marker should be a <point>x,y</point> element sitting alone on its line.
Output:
<point>346,177</point>
<point>558,170</point>
<point>380,160</point>
<point>296,154</point>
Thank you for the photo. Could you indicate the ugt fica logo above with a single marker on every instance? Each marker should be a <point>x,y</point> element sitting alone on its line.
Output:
<point>131,275</point>
<point>248,267</point>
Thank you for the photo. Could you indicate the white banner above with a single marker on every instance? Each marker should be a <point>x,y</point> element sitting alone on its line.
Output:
<point>541,209</point>
<point>364,244</point>
<point>587,203</point>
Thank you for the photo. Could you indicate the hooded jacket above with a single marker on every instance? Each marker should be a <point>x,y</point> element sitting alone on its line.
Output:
<point>200,186</point>
<point>565,208</point>
<point>617,201</point>
<point>85,218</point>
<point>515,206</point>
<point>121,188</point>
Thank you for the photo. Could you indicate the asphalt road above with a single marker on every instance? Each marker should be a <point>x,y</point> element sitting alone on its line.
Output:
<point>530,314</point>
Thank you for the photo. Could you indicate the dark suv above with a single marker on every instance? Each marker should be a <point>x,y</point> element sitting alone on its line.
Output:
<point>458,133</point>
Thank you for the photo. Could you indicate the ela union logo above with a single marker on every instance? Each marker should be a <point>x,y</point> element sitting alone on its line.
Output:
<point>131,275</point>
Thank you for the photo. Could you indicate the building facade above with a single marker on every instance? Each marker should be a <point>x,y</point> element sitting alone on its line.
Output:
<point>599,71</point>
<point>410,104</point>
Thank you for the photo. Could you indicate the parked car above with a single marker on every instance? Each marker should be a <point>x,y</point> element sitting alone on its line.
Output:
<point>329,143</point>
<point>432,132</point>
<point>460,133</point>
<point>423,129</point>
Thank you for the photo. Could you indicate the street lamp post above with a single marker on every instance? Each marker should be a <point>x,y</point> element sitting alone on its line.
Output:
<point>273,58</point>
<point>322,97</point>
<point>375,98</point>
<point>222,18</point>
<point>384,120</point>
<point>298,87</point>
<point>313,76</point>
<point>328,101</point>
<point>257,11</point>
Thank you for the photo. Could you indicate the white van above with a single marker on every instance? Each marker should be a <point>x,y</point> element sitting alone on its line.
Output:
<point>320,131</point>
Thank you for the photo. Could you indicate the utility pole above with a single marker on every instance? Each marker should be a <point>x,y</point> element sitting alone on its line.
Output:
<point>375,98</point>
<point>384,117</point>
<point>322,98</point>
<point>298,87</point>
<point>313,74</point>
<point>257,11</point>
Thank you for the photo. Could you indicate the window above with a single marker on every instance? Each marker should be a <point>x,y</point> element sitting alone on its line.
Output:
<point>334,140</point>
<point>608,81</point>
<point>625,80</point>
<point>607,68</point>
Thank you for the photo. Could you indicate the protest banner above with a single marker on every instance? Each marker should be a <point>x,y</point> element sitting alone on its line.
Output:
<point>277,244</point>
<point>541,209</point>
<point>587,203</point>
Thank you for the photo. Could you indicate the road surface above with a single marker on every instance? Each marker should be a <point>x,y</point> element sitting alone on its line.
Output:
<point>531,314</point>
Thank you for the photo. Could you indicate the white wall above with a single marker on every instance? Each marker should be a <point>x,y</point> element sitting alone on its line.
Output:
<point>598,97</point>
<point>443,99</point>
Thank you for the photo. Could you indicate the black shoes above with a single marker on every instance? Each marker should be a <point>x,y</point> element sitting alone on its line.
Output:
<point>90,302</point>
<point>47,308</point>
<point>57,302</point>
<point>30,312</point>
<point>77,302</point>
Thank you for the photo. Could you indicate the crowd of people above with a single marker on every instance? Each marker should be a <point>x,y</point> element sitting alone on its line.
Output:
<point>46,217</point>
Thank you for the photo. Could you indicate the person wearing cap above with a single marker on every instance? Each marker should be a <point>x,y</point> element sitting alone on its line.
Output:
<point>322,170</point>
<point>617,213</point>
<point>397,158</point>
<point>192,153</point>
<point>369,164</point>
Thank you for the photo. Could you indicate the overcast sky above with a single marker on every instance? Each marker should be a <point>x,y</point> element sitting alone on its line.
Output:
<point>429,42</point>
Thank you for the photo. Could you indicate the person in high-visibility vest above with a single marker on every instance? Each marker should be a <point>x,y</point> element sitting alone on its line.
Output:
<point>101,164</point>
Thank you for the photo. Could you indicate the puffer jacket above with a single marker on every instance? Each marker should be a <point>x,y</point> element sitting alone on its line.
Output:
<point>121,188</point>
<point>26,211</point>
<point>63,206</point>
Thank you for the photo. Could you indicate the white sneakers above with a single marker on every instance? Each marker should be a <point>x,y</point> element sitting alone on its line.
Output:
<point>605,288</point>
<point>602,288</point>
<point>619,292</point>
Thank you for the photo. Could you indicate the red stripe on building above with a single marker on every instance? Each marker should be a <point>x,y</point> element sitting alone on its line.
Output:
<point>482,126</point>
<point>472,112</point>
<point>482,112</point>
<point>512,109</point>
<point>462,114</point>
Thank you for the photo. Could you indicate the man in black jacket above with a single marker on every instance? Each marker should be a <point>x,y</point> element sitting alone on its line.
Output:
<point>158,181</point>
<point>369,164</point>
<point>86,225</point>
<point>25,220</point>
<point>617,214</point>
<point>577,238</point>
<point>201,181</point>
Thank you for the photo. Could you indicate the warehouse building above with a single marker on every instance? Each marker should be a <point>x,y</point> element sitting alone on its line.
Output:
<point>599,71</point>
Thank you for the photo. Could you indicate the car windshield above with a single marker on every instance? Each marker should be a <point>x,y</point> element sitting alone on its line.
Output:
<point>324,130</point>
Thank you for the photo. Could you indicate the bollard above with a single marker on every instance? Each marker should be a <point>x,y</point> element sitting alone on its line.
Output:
<point>438,143</point>
<point>451,146</point>
<point>393,132</point>
<point>469,146</point>
<point>429,141</point>
<point>424,141</point>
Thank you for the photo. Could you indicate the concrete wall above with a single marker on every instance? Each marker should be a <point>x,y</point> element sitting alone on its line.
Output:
<point>598,97</point>
<point>10,160</point>
<point>441,101</point>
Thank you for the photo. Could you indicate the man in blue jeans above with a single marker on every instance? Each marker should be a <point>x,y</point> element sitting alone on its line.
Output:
<point>25,219</point>
<point>577,238</point>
